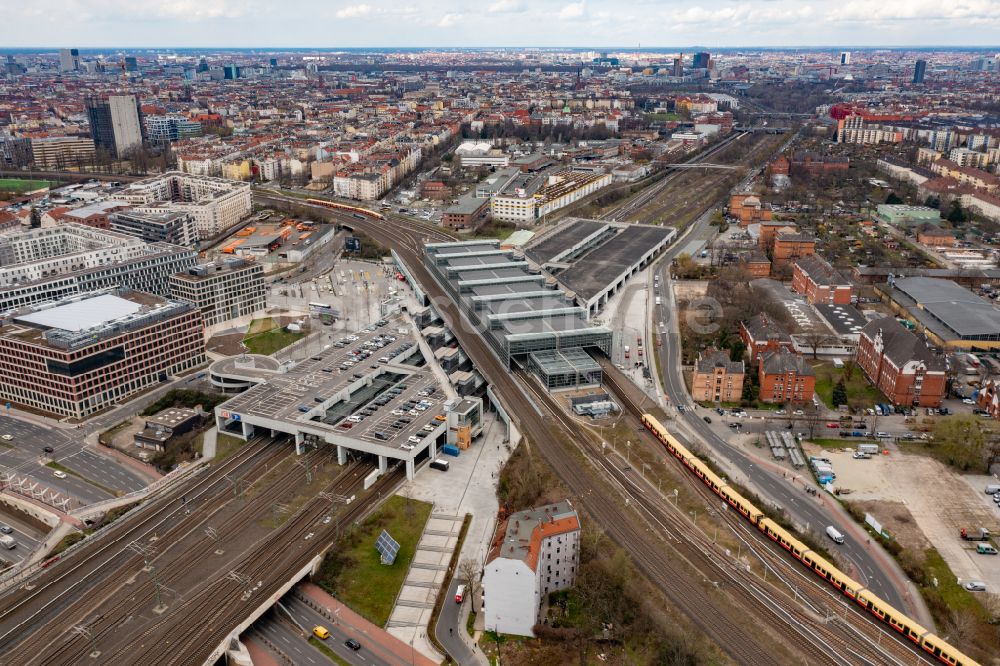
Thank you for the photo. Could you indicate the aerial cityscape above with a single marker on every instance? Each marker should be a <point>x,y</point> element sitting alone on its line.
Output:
<point>332,334</point>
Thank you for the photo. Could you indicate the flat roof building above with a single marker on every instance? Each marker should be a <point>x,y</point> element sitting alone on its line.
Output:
<point>518,310</point>
<point>215,204</point>
<point>950,315</point>
<point>903,215</point>
<point>49,264</point>
<point>77,356</point>
<point>223,290</point>
<point>168,226</point>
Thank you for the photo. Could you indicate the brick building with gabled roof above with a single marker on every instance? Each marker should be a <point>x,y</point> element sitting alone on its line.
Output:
<point>900,365</point>
<point>761,334</point>
<point>535,552</point>
<point>819,282</point>
<point>785,377</point>
<point>717,378</point>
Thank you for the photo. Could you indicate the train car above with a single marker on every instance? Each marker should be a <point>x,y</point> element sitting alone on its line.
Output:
<point>356,211</point>
<point>836,578</point>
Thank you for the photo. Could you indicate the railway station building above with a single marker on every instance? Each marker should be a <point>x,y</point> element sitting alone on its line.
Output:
<point>592,260</point>
<point>518,310</point>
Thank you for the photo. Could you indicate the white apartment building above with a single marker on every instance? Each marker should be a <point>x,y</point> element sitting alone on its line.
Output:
<point>62,250</point>
<point>525,198</point>
<point>215,204</point>
<point>968,158</point>
<point>539,553</point>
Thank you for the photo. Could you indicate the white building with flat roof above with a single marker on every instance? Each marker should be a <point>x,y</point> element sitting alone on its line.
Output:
<point>215,204</point>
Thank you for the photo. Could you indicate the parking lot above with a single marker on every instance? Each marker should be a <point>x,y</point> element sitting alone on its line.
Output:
<point>939,502</point>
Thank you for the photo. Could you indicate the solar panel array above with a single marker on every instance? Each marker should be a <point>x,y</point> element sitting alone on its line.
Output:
<point>387,547</point>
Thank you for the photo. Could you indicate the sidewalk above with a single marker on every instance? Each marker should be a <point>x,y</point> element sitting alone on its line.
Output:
<point>322,602</point>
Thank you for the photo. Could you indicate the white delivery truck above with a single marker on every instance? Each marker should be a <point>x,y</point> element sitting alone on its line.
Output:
<point>7,542</point>
<point>836,536</point>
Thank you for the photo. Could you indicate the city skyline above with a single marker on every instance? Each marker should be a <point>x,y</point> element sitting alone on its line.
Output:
<point>510,23</point>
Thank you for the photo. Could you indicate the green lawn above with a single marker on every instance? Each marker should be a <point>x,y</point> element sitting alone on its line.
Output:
<point>353,570</point>
<point>20,185</point>
<point>226,445</point>
<point>266,337</point>
<point>955,597</point>
<point>859,391</point>
<point>331,655</point>
<point>662,116</point>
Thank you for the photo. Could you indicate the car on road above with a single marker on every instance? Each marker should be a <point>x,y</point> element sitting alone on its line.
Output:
<point>735,426</point>
<point>353,644</point>
<point>321,632</point>
<point>780,412</point>
<point>968,401</point>
<point>59,474</point>
<point>47,449</point>
<point>7,438</point>
<point>975,586</point>
<point>832,425</point>
<point>798,412</point>
<point>861,455</point>
<point>6,529</point>
<point>707,419</point>
<point>460,594</point>
<point>720,411</point>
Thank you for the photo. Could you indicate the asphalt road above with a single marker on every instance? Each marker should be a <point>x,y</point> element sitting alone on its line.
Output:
<point>448,627</point>
<point>370,652</point>
<point>802,507</point>
<point>289,641</point>
<point>23,454</point>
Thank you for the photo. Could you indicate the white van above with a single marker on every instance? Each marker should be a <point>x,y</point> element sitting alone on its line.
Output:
<point>657,300</point>
<point>992,489</point>
<point>836,536</point>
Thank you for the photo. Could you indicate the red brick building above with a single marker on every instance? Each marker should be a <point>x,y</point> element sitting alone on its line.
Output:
<point>819,282</point>
<point>900,365</point>
<point>756,264</point>
<point>815,163</point>
<point>989,398</point>
<point>716,378</point>
<point>748,208</point>
<point>762,334</point>
<point>785,377</point>
<point>790,246</point>
<point>935,236</point>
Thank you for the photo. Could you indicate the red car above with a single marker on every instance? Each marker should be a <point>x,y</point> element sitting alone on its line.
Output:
<point>832,425</point>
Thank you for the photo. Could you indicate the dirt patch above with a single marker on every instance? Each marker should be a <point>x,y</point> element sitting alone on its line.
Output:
<point>896,519</point>
<point>228,345</point>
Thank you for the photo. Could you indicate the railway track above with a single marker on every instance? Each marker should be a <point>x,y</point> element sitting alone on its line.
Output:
<point>618,213</point>
<point>825,612</point>
<point>556,441</point>
<point>170,566</point>
<point>204,620</point>
<point>28,610</point>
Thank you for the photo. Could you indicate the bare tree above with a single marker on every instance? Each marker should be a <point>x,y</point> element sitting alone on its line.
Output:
<point>814,340</point>
<point>469,574</point>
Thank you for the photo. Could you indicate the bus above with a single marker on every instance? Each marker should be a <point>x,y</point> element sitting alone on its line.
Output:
<point>323,309</point>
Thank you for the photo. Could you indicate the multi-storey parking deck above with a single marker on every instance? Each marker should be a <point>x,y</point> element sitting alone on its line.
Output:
<point>371,394</point>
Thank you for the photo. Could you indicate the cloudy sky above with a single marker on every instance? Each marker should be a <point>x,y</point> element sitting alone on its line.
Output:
<point>360,23</point>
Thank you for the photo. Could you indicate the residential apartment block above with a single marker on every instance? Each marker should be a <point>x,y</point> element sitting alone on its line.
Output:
<point>785,377</point>
<point>53,263</point>
<point>819,282</point>
<point>166,226</point>
<point>88,352</point>
<point>537,552</point>
<point>215,204</point>
<point>527,198</point>
<point>222,291</point>
<point>716,378</point>
<point>900,365</point>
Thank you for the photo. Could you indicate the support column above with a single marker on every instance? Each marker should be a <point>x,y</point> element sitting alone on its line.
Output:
<point>341,455</point>
<point>299,439</point>
<point>433,449</point>
<point>382,464</point>
<point>409,469</point>
<point>247,429</point>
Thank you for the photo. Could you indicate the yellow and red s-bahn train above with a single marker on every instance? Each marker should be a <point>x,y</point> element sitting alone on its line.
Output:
<point>912,630</point>
<point>357,211</point>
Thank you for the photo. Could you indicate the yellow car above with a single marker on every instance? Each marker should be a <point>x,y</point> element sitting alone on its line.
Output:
<point>321,632</point>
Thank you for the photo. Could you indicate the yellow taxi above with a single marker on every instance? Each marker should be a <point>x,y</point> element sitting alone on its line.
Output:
<point>321,632</point>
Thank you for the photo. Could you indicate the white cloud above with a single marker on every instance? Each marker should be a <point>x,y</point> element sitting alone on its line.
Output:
<point>354,11</point>
<point>448,20</point>
<point>572,10</point>
<point>506,7</point>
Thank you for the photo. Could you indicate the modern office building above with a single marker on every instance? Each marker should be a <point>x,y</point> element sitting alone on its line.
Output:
<point>115,123</point>
<point>167,226</point>
<point>919,70</point>
<point>845,57</point>
<point>536,552</point>
<point>69,60</point>
<point>215,204</point>
<point>77,356</point>
<point>162,129</point>
<point>222,291</point>
<point>702,60</point>
<point>520,312</point>
<point>69,259</point>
